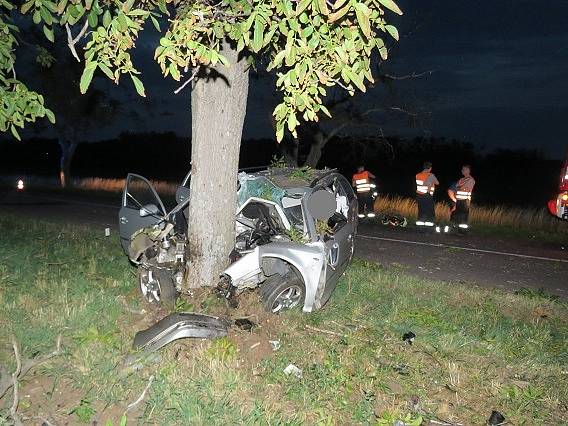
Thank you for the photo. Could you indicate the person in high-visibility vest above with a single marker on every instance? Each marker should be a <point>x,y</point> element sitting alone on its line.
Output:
<point>366,191</point>
<point>461,197</point>
<point>426,183</point>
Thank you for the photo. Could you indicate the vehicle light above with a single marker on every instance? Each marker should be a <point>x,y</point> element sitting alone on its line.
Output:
<point>20,185</point>
<point>564,197</point>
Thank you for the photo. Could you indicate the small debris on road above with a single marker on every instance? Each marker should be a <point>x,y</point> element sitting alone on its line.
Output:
<point>496,419</point>
<point>408,337</point>
<point>292,369</point>
<point>275,344</point>
<point>245,324</point>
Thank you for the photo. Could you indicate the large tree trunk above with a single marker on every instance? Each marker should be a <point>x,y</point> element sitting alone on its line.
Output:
<point>218,108</point>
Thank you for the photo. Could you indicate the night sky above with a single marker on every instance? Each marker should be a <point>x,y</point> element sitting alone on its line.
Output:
<point>495,75</point>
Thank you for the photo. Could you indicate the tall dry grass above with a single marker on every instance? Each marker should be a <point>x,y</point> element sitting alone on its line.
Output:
<point>513,217</point>
<point>536,219</point>
<point>117,185</point>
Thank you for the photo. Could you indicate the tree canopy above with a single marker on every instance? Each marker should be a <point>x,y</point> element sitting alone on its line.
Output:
<point>312,45</point>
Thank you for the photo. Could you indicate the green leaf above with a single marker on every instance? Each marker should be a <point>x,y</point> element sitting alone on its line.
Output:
<point>292,122</point>
<point>27,6</point>
<point>48,32</point>
<point>156,23</point>
<point>36,17</point>
<point>50,116</point>
<point>279,127</point>
<point>338,4</point>
<point>258,35</point>
<point>127,6</point>
<point>392,31</point>
<point>106,70</point>
<point>325,110</point>
<point>323,7</point>
<point>138,85</point>
<point>15,132</point>
<point>302,5</point>
<point>174,71</point>
<point>122,420</point>
<point>93,19</point>
<point>335,16</point>
<point>306,32</point>
<point>45,15</point>
<point>391,5</point>
<point>363,19</point>
<point>223,60</point>
<point>383,52</point>
<point>107,19</point>
<point>162,7</point>
<point>86,78</point>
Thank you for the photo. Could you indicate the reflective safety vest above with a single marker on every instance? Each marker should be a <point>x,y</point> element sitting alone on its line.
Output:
<point>465,188</point>
<point>463,195</point>
<point>362,182</point>
<point>421,187</point>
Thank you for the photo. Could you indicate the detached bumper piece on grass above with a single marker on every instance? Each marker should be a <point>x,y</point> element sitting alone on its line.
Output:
<point>179,326</point>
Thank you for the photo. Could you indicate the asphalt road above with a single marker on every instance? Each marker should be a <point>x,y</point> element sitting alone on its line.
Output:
<point>476,260</point>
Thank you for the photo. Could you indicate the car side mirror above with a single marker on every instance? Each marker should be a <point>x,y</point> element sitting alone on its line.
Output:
<point>149,210</point>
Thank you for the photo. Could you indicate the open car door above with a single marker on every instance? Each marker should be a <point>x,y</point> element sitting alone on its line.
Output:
<point>141,208</point>
<point>340,245</point>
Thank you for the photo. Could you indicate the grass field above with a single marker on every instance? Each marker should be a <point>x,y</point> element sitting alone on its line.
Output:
<point>531,223</point>
<point>475,350</point>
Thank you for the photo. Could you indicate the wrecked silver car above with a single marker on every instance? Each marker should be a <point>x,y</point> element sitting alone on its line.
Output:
<point>295,236</point>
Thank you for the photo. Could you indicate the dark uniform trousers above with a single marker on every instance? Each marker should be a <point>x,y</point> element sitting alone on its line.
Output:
<point>426,211</point>
<point>460,216</point>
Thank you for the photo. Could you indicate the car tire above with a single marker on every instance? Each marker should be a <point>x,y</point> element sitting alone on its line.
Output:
<point>157,287</point>
<point>282,292</point>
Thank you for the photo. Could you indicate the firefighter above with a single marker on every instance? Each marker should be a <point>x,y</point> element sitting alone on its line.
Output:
<point>425,186</point>
<point>461,198</point>
<point>366,191</point>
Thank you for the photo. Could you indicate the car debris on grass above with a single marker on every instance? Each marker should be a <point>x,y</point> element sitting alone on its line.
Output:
<point>295,236</point>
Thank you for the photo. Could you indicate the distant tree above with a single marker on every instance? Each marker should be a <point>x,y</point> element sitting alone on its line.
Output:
<point>77,115</point>
<point>311,44</point>
<point>346,115</point>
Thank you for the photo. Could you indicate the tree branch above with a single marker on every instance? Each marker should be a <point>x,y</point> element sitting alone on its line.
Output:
<point>15,375</point>
<point>141,397</point>
<point>71,42</point>
<point>340,84</point>
<point>6,383</point>
<point>193,74</point>
<point>407,76</point>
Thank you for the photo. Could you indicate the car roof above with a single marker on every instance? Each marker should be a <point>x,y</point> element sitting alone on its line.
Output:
<point>299,179</point>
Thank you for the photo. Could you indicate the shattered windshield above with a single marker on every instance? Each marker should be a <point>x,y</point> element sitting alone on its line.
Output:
<point>259,187</point>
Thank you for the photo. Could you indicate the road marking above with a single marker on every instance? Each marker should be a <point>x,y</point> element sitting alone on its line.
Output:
<point>420,243</point>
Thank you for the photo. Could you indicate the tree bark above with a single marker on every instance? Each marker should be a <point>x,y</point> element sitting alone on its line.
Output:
<point>218,109</point>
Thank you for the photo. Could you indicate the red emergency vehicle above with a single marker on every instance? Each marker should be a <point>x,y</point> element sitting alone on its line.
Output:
<point>559,206</point>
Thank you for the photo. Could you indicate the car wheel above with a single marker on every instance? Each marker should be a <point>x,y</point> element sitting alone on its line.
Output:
<point>280,293</point>
<point>157,286</point>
